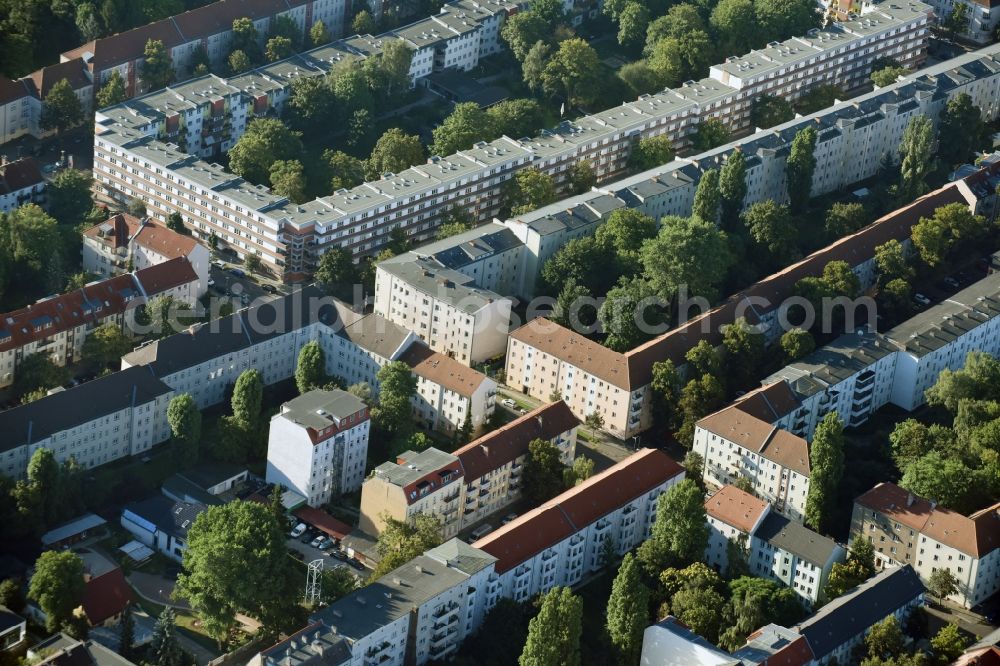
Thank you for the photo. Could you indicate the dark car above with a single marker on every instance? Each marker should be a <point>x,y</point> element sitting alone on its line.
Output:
<point>338,554</point>
<point>269,288</point>
<point>238,272</point>
<point>356,564</point>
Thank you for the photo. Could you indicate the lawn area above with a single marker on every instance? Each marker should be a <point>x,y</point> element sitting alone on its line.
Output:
<point>188,624</point>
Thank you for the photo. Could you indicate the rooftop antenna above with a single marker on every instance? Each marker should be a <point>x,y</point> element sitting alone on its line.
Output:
<point>314,578</point>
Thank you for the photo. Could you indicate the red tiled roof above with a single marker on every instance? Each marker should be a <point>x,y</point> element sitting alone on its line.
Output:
<point>769,403</point>
<point>431,478</point>
<point>759,436</point>
<point>106,596</point>
<point>443,370</point>
<point>987,656</point>
<point>736,508</point>
<point>162,240</point>
<point>163,277</point>
<point>72,70</point>
<point>573,510</point>
<point>11,91</point>
<point>121,230</point>
<point>20,174</point>
<point>796,653</point>
<point>506,444</point>
<point>323,521</point>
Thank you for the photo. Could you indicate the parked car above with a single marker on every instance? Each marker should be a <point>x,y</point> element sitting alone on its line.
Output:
<point>337,554</point>
<point>507,402</point>
<point>211,282</point>
<point>509,518</point>
<point>238,272</point>
<point>307,537</point>
<point>318,541</point>
<point>356,564</point>
<point>269,288</point>
<point>297,530</point>
<point>219,265</point>
<point>921,299</point>
<point>482,531</point>
<point>327,544</point>
<point>951,282</point>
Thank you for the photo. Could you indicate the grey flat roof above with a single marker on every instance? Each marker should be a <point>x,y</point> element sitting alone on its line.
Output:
<point>417,466</point>
<point>320,408</point>
<point>462,556</point>
<point>67,409</point>
<point>443,284</point>
<point>833,363</point>
<point>87,521</point>
<point>797,539</point>
<point>376,334</point>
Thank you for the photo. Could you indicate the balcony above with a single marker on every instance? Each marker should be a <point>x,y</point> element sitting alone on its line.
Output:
<point>445,610</point>
<point>451,498</point>
<point>377,652</point>
<point>442,651</point>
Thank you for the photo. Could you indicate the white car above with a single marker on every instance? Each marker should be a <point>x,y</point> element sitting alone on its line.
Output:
<point>318,541</point>
<point>507,402</point>
<point>921,299</point>
<point>297,531</point>
<point>482,531</point>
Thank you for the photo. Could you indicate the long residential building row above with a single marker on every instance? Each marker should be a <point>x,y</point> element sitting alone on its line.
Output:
<point>471,281</point>
<point>543,357</point>
<point>472,482</point>
<point>59,325</point>
<point>151,147</point>
<point>207,358</point>
<point>423,610</point>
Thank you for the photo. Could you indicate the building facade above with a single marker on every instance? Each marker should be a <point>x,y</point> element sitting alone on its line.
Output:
<point>907,530</point>
<point>317,445</point>
<point>21,182</point>
<point>465,486</point>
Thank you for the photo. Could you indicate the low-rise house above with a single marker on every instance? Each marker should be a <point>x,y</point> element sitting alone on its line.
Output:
<point>73,531</point>
<point>464,486</point>
<point>64,650</point>
<point>561,542</point>
<point>907,530</point>
<point>736,445</point>
<point>21,182</point>
<point>117,415</point>
<point>124,242</point>
<point>317,445</point>
<point>774,546</point>
<point>13,630</point>
<point>204,484</point>
<point>161,523</point>
<point>106,597</point>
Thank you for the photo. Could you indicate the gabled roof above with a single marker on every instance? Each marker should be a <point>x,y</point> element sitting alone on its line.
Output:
<point>443,370</point>
<point>72,70</point>
<point>19,175</point>
<point>769,403</point>
<point>11,91</point>
<point>753,434</point>
<point>160,278</point>
<point>507,443</point>
<point>794,537</point>
<point>736,508</point>
<point>853,613</point>
<point>106,596</point>
<point>570,347</point>
<point>573,510</point>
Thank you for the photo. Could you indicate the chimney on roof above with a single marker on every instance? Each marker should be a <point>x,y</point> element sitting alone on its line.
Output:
<point>486,449</point>
<point>910,499</point>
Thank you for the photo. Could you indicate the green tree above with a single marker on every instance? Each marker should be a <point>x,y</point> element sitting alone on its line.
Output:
<point>516,117</point>
<point>707,197</point>
<point>310,370</point>
<point>164,646</point>
<point>533,67</point>
<point>157,69</point>
<point>711,133</point>
<point>632,24</point>
<point>112,92</point>
<point>466,125</point>
<point>885,639</point>
<point>348,171</point>
<point>799,168</point>
<point>961,128</point>
<point>957,22</point>
<point>399,541</point>
<point>397,386</point>
<point>137,207</point>
<point>781,20</point>
<point>679,533</point>
<point>951,226</point>
<point>818,98</point>
<point>841,280</point>
<point>247,396</point>
<point>337,584</point>
<point>278,48</point>
<point>573,73</point>
<point>164,316</point>
<point>528,190</point>
<point>917,153</point>
<point>105,345</point>
<point>126,634</point>
<point>57,587</point>
<point>238,62</point>
<point>265,142</point>
<point>686,252</point>
<point>947,480</point>
<point>826,468</point>
<point>582,469</point>
<point>732,188</point>
<point>246,39</point>
<point>640,78</point>
<point>625,232</point>
<point>336,271</point>
<point>744,351</point>
<point>622,313</point>
<point>522,31</point>
<point>543,472</point>
<point>176,223</point>
<point>61,108</point>
<point>319,34</point>
<point>394,151</point>
<point>581,176</point>
<point>651,152</point>
<point>288,180</point>
<point>69,197</point>
<point>554,634</point>
<point>735,22</point>
<point>843,219</point>
<point>859,567</point>
<point>363,23</point>
<point>769,110</point>
<point>185,426</point>
<point>887,75</point>
<point>949,642</point>
<point>703,359</point>
<point>797,343</point>
<point>979,379</point>
<point>771,225</point>
<point>236,561</point>
<point>628,612</point>
<point>699,398</point>
<point>666,388</point>
<point>892,261</point>
<point>38,371</point>
<point>352,89</point>
<point>11,596</point>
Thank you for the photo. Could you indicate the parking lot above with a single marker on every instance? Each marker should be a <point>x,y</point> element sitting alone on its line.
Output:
<point>332,556</point>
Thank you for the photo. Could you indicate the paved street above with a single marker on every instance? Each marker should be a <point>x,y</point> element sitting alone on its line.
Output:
<point>966,620</point>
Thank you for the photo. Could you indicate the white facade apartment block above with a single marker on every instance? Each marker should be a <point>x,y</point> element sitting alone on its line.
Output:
<point>317,445</point>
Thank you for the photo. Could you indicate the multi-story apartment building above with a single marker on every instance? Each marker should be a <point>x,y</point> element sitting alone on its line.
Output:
<point>858,373</point>
<point>543,357</point>
<point>449,394</point>
<point>905,529</point>
<point>317,445</point>
<point>560,542</point>
<point>117,415</point>
<point>136,150</point>
<point>737,445</point>
<point>21,182</point>
<point>419,612</point>
<point>58,325</point>
<point>122,240</point>
<point>774,546</point>
<point>474,481</point>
